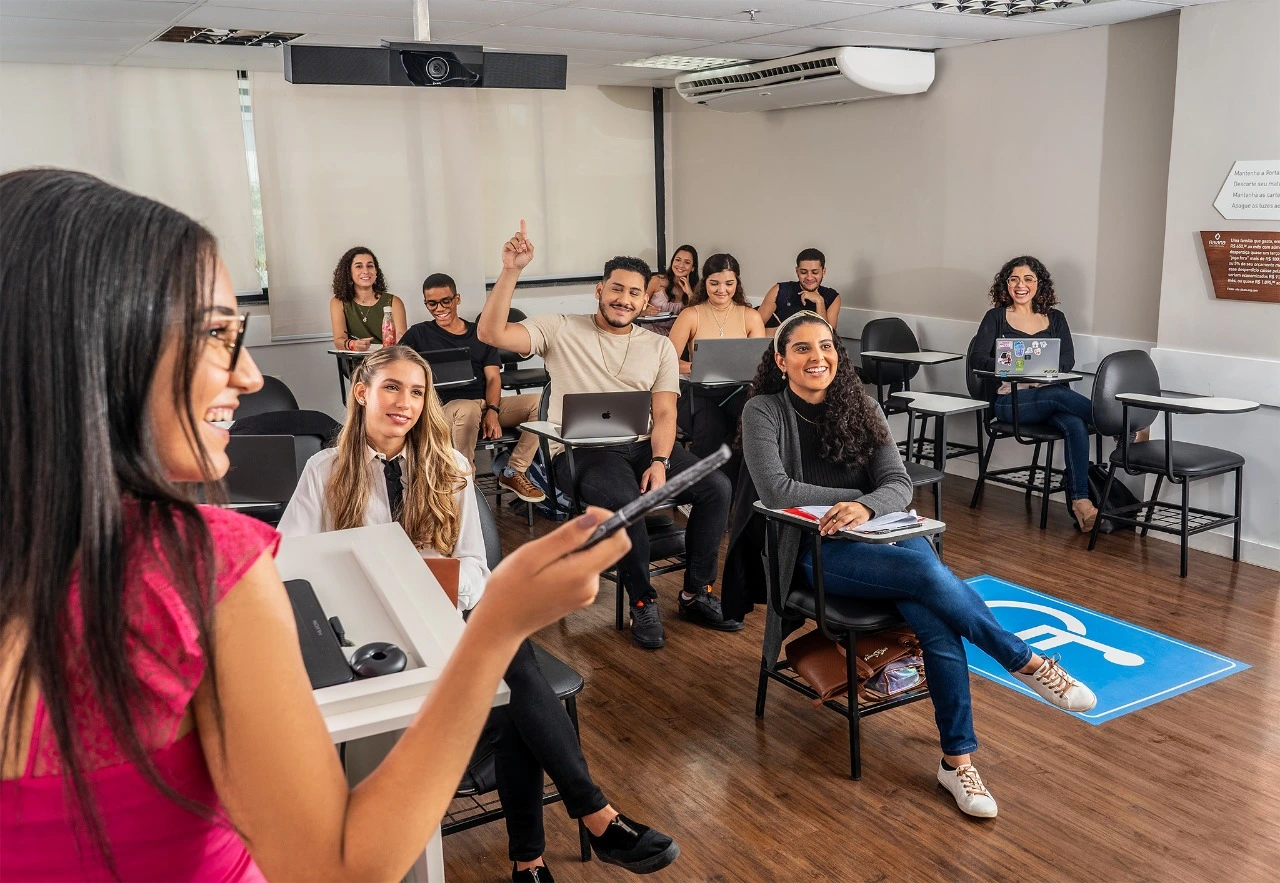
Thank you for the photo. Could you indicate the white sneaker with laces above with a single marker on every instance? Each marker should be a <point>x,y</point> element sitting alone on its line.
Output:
<point>1052,683</point>
<point>966,787</point>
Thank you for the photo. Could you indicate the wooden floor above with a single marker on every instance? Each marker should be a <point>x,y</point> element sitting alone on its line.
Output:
<point>1188,789</point>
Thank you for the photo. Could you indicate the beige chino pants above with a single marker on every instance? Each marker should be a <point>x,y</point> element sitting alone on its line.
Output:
<point>463,416</point>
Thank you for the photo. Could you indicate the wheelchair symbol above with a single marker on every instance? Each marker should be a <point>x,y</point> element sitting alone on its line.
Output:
<point>1046,637</point>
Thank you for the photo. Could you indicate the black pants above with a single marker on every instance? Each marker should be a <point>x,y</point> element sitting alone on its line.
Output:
<point>531,734</point>
<point>711,417</point>
<point>610,477</point>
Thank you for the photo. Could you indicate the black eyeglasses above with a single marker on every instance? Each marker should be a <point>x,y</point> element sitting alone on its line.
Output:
<point>231,340</point>
<point>436,304</point>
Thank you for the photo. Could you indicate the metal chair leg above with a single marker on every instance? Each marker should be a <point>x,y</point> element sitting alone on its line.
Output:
<point>617,601</point>
<point>1183,534</point>
<point>1048,482</point>
<point>1031,473</point>
<point>1151,510</point>
<point>1235,543</point>
<point>855,736</point>
<point>983,460</point>
<point>584,841</point>
<point>1102,510</point>
<point>762,688</point>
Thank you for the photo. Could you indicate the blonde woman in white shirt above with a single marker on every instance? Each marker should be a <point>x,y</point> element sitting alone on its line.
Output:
<point>394,461</point>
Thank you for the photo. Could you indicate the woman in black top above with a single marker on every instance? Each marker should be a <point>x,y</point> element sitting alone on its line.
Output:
<point>1024,298</point>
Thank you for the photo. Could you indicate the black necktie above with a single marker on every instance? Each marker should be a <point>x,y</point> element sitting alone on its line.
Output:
<point>395,490</point>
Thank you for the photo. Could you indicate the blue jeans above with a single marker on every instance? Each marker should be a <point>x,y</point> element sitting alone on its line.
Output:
<point>1068,412</point>
<point>939,607</point>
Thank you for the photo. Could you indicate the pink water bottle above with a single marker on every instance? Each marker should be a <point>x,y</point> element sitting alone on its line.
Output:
<point>388,328</point>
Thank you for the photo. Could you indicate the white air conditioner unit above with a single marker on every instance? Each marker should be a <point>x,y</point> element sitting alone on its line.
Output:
<point>824,76</point>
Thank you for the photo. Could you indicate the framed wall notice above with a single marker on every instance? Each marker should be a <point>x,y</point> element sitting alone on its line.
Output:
<point>1244,264</point>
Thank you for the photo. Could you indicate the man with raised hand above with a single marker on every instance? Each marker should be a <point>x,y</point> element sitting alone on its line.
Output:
<point>605,352</point>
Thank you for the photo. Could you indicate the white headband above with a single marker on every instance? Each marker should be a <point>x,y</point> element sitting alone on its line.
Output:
<point>785,322</point>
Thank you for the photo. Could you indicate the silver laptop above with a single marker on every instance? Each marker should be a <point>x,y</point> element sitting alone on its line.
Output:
<point>263,468</point>
<point>605,414</point>
<point>1020,356</point>
<point>727,361</point>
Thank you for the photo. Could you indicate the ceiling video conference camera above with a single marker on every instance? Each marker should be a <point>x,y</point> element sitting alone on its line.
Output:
<point>427,65</point>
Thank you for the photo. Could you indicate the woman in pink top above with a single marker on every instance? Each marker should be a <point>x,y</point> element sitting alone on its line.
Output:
<point>158,723</point>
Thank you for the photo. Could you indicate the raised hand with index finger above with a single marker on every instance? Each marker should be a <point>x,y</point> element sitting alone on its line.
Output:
<point>517,251</point>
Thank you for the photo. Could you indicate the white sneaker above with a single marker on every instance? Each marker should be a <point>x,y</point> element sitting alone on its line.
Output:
<point>966,787</point>
<point>1051,682</point>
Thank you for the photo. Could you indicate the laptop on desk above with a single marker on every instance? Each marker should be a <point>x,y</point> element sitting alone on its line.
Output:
<point>450,367</point>
<point>1023,356</point>
<point>605,414</point>
<point>735,360</point>
<point>263,469</point>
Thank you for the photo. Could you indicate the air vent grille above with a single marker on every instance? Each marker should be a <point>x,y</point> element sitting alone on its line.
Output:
<point>1001,8</point>
<point>225,37</point>
<point>818,64</point>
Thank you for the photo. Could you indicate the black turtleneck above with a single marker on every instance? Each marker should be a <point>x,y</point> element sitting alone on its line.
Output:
<point>811,422</point>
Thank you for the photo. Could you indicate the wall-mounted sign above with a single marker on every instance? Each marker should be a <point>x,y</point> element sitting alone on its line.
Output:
<point>1244,264</point>
<point>1251,192</point>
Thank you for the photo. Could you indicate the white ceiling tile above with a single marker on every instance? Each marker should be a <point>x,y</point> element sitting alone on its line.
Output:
<point>749,51</point>
<point>137,32</point>
<point>790,13</point>
<point>538,38</point>
<point>1108,13</point>
<point>816,38</point>
<point>298,22</point>
<point>944,24</point>
<point>199,55</point>
<point>604,21</point>
<point>490,12</point>
<point>57,56</point>
<point>377,8</point>
<point>155,11</point>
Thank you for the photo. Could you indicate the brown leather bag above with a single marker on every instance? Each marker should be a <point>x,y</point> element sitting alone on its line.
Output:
<point>821,662</point>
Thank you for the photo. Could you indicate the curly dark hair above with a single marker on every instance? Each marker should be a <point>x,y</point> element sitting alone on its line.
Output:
<point>1045,299</point>
<point>344,287</point>
<point>693,273</point>
<point>718,263</point>
<point>853,430</point>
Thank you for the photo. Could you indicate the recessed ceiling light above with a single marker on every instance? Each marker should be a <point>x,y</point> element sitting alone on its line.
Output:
<point>1001,8</point>
<point>681,62</point>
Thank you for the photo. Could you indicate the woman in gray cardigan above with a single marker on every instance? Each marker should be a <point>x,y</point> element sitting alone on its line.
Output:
<point>812,437</point>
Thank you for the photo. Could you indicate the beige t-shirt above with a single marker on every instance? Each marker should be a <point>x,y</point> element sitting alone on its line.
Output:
<point>582,358</point>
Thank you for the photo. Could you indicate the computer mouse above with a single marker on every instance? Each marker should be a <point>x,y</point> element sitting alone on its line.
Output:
<point>378,658</point>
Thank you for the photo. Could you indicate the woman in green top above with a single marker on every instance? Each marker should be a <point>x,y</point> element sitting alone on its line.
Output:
<point>359,299</point>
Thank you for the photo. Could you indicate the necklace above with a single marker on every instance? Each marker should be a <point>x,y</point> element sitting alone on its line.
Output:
<point>806,419</point>
<point>364,314</point>
<point>720,322</point>
<point>604,364</point>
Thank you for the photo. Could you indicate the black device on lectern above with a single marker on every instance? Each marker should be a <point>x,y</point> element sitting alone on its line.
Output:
<point>321,651</point>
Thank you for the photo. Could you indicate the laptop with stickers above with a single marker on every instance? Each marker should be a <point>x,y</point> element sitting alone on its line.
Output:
<point>1027,356</point>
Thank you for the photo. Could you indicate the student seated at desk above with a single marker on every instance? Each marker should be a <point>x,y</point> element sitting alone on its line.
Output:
<point>478,408</point>
<point>670,291</point>
<point>807,293</point>
<point>812,437</point>
<point>394,461</point>
<point>718,310</point>
<point>606,352</point>
<point>158,722</point>
<point>1024,300</point>
<point>360,300</point>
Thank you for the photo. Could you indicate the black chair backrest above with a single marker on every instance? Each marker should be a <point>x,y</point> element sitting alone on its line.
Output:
<point>488,529</point>
<point>1125,371</point>
<point>973,383</point>
<point>274,396</point>
<point>311,430</point>
<point>506,356</point>
<point>544,406</point>
<point>890,335</point>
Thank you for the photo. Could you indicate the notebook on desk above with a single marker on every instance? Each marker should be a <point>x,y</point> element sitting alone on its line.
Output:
<point>734,360</point>
<point>1020,356</point>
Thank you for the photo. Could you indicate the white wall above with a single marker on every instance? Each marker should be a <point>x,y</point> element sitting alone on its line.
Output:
<point>1054,146</point>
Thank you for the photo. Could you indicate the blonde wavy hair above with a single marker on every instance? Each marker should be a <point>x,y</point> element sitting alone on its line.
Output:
<point>430,514</point>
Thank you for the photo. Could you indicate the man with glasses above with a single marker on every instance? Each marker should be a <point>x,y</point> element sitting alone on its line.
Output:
<point>477,408</point>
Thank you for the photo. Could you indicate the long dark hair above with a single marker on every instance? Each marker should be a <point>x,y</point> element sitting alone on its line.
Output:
<point>693,271</point>
<point>852,430</point>
<point>718,263</point>
<point>82,489</point>
<point>1045,298</point>
<point>344,287</point>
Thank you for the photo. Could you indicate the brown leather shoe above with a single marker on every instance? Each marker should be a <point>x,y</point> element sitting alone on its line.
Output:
<point>520,485</point>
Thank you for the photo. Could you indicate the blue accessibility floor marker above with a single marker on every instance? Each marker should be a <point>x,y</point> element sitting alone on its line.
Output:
<point>1127,666</point>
